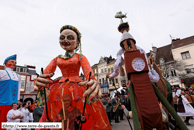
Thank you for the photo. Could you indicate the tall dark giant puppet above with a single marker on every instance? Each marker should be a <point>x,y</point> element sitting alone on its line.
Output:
<point>145,106</point>
<point>140,74</point>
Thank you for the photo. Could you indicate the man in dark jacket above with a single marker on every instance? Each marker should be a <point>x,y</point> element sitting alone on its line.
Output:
<point>38,113</point>
<point>116,113</point>
<point>127,103</point>
<point>107,103</point>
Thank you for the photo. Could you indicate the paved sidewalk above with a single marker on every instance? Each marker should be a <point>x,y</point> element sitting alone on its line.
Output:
<point>123,125</point>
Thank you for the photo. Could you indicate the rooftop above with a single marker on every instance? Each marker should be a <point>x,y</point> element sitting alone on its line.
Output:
<point>182,42</point>
<point>165,53</point>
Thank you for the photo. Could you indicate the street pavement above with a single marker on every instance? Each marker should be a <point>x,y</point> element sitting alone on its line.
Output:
<point>124,125</point>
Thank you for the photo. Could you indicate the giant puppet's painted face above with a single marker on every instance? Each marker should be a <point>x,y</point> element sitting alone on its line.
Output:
<point>67,101</point>
<point>11,64</point>
<point>68,40</point>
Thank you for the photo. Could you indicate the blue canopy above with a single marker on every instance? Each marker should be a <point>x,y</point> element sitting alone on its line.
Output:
<point>105,85</point>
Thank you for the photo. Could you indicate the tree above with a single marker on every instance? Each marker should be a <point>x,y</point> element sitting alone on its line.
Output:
<point>174,70</point>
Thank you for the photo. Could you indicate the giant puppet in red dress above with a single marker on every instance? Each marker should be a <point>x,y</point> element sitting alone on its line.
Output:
<point>66,97</point>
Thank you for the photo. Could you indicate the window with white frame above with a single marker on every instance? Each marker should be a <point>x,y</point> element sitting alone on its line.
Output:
<point>189,69</point>
<point>17,69</point>
<point>173,73</point>
<point>112,70</point>
<point>185,55</point>
<point>24,70</point>
<point>108,70</point>
<point>116,80</point>
<point>110,81</point>
<point>23,82</point>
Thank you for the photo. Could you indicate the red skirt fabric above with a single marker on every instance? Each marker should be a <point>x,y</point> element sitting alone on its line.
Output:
<point>67,98</point>
<point>3,112</point>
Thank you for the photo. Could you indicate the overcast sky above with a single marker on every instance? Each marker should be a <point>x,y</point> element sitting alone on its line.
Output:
<point>30,28</point>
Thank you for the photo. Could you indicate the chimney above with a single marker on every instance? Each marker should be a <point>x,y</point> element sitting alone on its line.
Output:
<point>1,67</point>
<point>175,40</point>
<point>29,66</point>
<point>154,49</point>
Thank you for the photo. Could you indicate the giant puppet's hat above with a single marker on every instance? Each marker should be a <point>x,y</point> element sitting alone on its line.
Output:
<point>13,57</point>
<point>124,28</point>
<point>125,36</point>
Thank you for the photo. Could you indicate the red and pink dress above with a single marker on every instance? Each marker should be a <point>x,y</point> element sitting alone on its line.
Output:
<point>96,118</point>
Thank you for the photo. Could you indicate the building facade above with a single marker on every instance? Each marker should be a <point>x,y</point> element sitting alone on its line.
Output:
<point>95,71</point>
<point>110,67</point>
<point>182,50</point>
<point>102,71</point>
<point>164,58</point>
<point>28,75</point>
<point>106,65</point>
<point>176,61</point>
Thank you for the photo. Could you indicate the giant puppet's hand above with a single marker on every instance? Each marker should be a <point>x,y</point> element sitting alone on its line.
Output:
<point>93,88</point>
<point>151,59</point>
<point>116,72</point>
<point>108,74</point>
<point>42,81</point>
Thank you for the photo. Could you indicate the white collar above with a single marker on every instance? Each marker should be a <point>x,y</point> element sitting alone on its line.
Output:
<point>9,69</point>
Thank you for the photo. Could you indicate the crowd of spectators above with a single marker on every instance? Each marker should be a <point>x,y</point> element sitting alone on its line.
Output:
<point>186,96</point>
<point>25,112</point>
<point>116,102</point>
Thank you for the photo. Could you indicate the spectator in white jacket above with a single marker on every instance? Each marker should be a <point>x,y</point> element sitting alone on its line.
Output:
<point>25,112</point>
<point>14,115</point>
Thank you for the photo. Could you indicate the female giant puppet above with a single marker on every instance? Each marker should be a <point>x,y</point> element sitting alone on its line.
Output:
<point>66,96</point>
<point>9,87</point>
